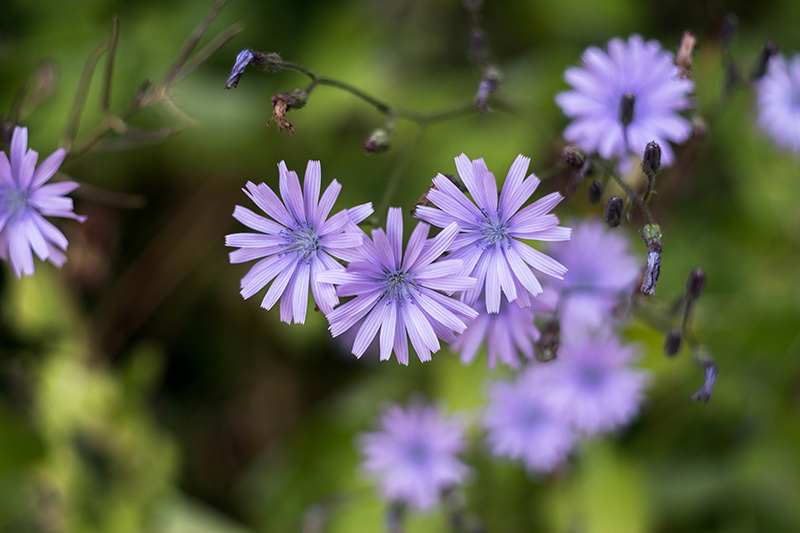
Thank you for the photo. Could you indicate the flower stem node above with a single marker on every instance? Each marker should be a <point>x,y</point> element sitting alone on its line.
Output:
<point>614,207</point>
<point>651,234</point>
<point>651,161</point>
<point>573,156</point>
<point>672,342</point>
<point>378,142</point>
<point>695,284</point>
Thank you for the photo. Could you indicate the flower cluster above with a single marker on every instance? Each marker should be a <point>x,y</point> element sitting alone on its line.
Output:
<point>24,202</point>
<point>396,295</point>
<point>591,388</point>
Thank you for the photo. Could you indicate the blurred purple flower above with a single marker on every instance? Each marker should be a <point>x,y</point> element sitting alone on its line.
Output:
<point>779,101</point>
<point>413,455</point>
<point>506,334</point>
<point>626,98</point>
<point>600,269</point>
<point>400,294</point>
<point>299,245</point>
<point>592,385</point>
<point>522,423</point>
<point>490,242</point>
<point>24,198</point>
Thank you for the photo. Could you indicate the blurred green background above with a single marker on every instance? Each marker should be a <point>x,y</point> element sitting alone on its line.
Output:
<point>140,393</point>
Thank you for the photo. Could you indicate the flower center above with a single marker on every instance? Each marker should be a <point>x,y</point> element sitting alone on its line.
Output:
<point>15,201</point>
<point>593,376</point>
<point>398,284</point>
<point>419,454</point>
<point>304,241</point>
<point>494,234</point>
<point>626,108</point>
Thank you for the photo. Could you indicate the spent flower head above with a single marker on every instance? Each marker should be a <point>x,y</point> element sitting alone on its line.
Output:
<point>625,98</point>
<point>414,454</point>
<point>491,239</point>
<point>299,242</point>
<point>24,202</point>
<point>401,294</point>
<point>778,98</point>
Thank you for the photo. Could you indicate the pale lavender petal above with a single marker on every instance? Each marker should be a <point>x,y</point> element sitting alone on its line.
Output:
<point>48,168</point>
<point>311,185</point>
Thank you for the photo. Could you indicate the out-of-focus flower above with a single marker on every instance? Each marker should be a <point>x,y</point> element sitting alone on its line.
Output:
<point>778,102</point>
<point>413,455</point>
<point>522,423</point>
<point>600,268</point>
<point>623,99</point>
<point>298,243</point>
<point>505,334</point>
<point>592,384</point>
<point>24,199</point>
<point>400,294</point>
<point>490,243</point>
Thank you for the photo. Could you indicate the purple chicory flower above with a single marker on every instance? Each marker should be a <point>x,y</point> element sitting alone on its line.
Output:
<point>601,269</point>
<point>506,334</point>
<point>623,99</point>
<point>778,102</point>
<point>414,454</point>
<point>24,199</point>
<point>490,243</point>
<point>592,383</point>
<point>401,294</point>
<point>522,424</point>
<point>298,243</point>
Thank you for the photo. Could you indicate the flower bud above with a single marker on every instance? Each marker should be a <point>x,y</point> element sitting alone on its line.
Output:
<point>614,207</point>
<point>695,284</point>
<point>547,345</point>
<point>378,141</point>
<point>595,192</point>
<point>710,375</point>
<point>651,160</point>
<point>770,49</point>
<point>487,85</point>
<point>573,156</point>
<point>626,108</point>
<point>672,342</point>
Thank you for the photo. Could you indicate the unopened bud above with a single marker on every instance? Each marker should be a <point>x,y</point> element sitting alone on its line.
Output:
<point>728,30</point>
<point>547,345</point>
<point>626,104</point>
<point>770,49</point>
<point>699,127</point>
<point>695,284</point>
<point>651,234</point>
<point>378,142</point>
<point>651,160</point>
<point>614,207</point>
<point>270,62</point>
<point>595,192</point>
<point>672,342</point>
<point>573,156</point>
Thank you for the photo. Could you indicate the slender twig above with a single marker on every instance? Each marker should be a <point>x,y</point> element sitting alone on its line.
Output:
<point>191,44</point>
<point>105,94</point>
<point>216,43</point>
<point>79,103</point>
